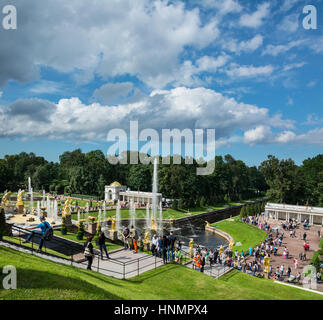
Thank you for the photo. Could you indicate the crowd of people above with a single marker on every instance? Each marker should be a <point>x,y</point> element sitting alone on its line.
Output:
<point>167,247</point>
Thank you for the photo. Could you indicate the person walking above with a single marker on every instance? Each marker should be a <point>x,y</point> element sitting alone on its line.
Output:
<point>164,249</point>
<point>171,244</point>
<point>88,252</point>
<point>126,236</point>
<point>102,245</point>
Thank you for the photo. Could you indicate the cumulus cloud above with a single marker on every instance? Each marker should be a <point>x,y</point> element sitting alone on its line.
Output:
<point>255,19</point>
<point>244,46</point>
<point>275,50</point>
<point>177,108</point>
<point>138,37</point>
<point>237,71</point>
<point>111,93</point>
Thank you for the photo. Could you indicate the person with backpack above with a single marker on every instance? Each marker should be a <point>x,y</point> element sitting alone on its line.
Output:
<point>88,252</point>
<point>45,233</point>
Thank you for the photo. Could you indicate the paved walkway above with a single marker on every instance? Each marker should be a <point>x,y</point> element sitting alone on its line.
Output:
<point>295,246</point>
<point>123,264</point>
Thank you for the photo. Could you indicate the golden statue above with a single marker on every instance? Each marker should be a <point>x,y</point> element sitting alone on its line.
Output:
<point>19,198</point>
<point>113,224</point>
<point>66,209</point>
<point>231,244</point>
<point>190,244</point>
<point>5,200</point>
<point>221,249</point>
<point>153,224</point>
<point>146,239</point>
<point>208,224</point>
<point>266,264</point>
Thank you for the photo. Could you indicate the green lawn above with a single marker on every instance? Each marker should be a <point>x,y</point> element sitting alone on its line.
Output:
<point>248,235</point>
<point>72,236</point>
<point>29,245</point>
<point>167,214</point>
<point>42,279</point>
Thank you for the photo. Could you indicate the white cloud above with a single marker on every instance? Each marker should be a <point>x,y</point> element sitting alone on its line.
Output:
<point>111,93</point>
<point>236,71</point>
<point>290,23</point>
<point>275,50</point>
<point>244,46</point>
<point>294,66</point>
<point>70,119</point>
<point>256,19</point>
<point>223,7</point>
<point>139,37</point>
<point>258,135</point>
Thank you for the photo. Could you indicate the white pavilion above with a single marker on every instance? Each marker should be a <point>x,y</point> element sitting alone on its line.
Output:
<point>314,215</point>
<point>115,191</point>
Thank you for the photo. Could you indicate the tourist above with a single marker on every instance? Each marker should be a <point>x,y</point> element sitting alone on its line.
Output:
<point>171,245</point>
<point>202,263</point>
<point>154,244</point>
<point>198,262</point>
<point>102,245</point>
<point>295,263</point>
<point>88,252</point>
<point>318,276</point>
<point>159,247</point>
<point>304,236</point>
<point>289,271</point>
<point>282,271</point>
<point>164,248</point>
<point>126,236</point>
<point>43,226</point>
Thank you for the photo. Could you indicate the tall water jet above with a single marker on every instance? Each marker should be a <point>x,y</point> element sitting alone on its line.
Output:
<point>38,209</point>
<point>29,185</point>
<point>55,211</point>
<point>160,221</point>
<point>43,200</point>
<point>48,207</point>
<point>148,222</point>
<point>104,208</point>
<point>87,209</point>
<point>100,216</point>
<point>31,205</point>
<point>154,196</point>
<point>118,216</point>
<point>132,215</point>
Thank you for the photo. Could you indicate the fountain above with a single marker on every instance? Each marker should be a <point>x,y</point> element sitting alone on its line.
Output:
<point>38,209</point>
<point>118,216</point>
<point>160,221</point>
<point>148,224</point>
<point>87,209</point>
<point>154,198</point>
<point>132,215</point>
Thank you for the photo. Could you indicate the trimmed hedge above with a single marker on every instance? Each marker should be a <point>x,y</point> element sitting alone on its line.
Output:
<point>321,243</point>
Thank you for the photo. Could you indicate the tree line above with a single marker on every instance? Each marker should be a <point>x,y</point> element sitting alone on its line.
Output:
<point>232,180</point>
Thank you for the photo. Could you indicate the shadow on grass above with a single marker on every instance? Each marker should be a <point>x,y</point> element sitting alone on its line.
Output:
<point>35,279</point>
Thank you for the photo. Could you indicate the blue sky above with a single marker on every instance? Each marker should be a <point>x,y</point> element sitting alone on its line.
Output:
<point>248,69</point>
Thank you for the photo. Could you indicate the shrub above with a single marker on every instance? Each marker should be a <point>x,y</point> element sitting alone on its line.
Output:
<point>321,243</point>
<point>202,202</point>
<point>315,261</point>
<point>174,205</point>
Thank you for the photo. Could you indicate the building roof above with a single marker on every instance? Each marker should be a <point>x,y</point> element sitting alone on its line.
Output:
<point>115,184</point>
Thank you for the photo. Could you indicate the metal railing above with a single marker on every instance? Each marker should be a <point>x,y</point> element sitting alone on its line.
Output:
<point>68,248</point>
